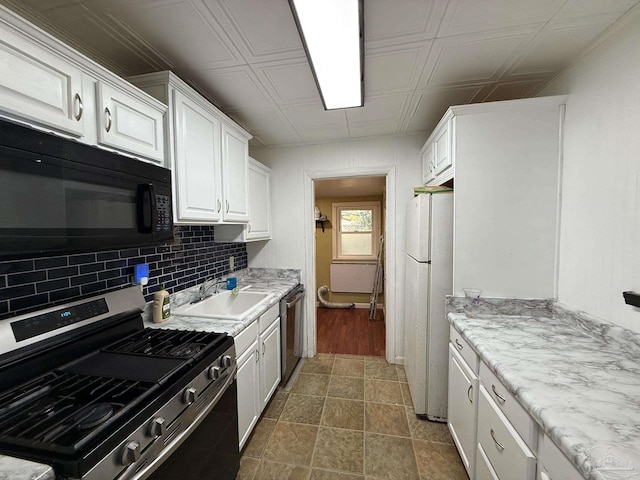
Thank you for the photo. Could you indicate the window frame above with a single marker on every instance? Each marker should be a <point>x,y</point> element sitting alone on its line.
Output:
<point>336,208</point>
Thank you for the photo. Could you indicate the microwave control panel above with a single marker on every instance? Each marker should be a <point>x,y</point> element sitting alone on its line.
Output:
<point>163,205</point>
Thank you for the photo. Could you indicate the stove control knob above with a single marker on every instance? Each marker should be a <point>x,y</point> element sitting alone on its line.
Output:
<point>158,427</point>
<point>214,373</point>
<point>189,395</point>
<point>130,453</point>
<point>226,361</point>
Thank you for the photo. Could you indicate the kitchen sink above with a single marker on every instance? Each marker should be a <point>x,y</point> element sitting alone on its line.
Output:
<point>225,305</point>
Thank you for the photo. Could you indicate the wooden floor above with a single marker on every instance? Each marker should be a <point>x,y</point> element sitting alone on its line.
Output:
<point>349,331</point>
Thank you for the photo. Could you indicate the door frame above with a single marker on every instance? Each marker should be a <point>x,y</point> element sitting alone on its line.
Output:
<point>389,172</point>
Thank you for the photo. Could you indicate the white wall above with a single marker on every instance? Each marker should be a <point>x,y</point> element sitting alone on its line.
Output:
<point>290,169</point>
<point>600,215</point>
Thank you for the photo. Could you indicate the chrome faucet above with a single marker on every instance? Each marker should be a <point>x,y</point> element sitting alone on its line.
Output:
<point>202,291</point>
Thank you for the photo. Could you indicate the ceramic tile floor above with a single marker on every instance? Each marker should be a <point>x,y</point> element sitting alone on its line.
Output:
<point>348,417</point>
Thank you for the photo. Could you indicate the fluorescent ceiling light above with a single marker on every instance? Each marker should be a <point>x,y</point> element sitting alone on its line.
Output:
<point>333,37</point>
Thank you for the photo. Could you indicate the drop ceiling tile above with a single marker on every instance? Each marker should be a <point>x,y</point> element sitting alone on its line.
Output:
<point>232,88</point>
<point>323,134</point>
<point>464,16</point>
<point>401,21</point>
<point>290,82</point>
<point>277,137</point>
<point>265,28</point>
<point>560,42</point>
<point>314,116</point>
<point>387,107</point>
<point>428,106</point>
<point>396,69</point>
<point>509,90</point>
<point>472,58</point>
<point>373,128</point>
<point>583,8</point>
<point>257,118</point>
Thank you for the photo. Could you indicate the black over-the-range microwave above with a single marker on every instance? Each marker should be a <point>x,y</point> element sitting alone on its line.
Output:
<point>58,196</point>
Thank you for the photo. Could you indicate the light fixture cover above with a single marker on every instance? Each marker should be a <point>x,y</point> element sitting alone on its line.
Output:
<point>332,32</point>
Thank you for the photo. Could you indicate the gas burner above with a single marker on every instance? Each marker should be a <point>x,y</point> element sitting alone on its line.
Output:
<point>92,415</point>
<point>187,350</point>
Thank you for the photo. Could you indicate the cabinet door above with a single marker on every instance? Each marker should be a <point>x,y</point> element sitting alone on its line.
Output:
<point>235,160</point>
<point>270,361</point>
<point>197,162</point>
<point>39,86</point>
<point>428,172</point>
<point>463,396</point>
<point>442,154</point>
<point>247,379</point>
<point>129,124</point>
<point>484,470</point>
<point>259,227</point>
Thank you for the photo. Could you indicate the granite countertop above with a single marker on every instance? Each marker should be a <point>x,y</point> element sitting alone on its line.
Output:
<point>577,376</point>
<point>278,282</point>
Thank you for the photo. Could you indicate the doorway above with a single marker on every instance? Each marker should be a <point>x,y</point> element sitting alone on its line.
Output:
<point>350,219</point>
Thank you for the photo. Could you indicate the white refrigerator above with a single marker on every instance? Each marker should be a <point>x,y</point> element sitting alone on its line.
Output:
<point>428,275</point>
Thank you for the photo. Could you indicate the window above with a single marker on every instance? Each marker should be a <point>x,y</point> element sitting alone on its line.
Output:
<point>356,230</point>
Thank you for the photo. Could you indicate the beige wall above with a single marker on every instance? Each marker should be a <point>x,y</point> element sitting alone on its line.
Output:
<point>324,249</point>
<point>600,214</point>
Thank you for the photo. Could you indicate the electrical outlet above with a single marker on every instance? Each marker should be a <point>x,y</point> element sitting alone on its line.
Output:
<point>232,263</point>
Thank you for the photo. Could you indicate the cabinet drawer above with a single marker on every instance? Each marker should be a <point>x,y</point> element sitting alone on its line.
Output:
<point>464,349</point>
<point>508,454</point>
<point>552,464</point>
<point>484,470</point>
<point>245,338</point>
<point>507,403</point>
<point>268,317</point>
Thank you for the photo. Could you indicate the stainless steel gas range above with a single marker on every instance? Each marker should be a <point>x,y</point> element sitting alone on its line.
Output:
<point>88,390</point>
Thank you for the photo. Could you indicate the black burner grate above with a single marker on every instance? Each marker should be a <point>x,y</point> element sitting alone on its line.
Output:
<point>167,343</point>
<point>62,412</point>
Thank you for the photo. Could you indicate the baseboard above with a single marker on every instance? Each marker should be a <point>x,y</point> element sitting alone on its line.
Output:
<point>379,306</point>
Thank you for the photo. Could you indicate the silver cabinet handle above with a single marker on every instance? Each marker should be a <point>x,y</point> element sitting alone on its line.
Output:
<point>257,356</point>
<point>498,444</point>
<point>227,202</point>
<point>263,348</point>
<point>500,397</point>
<point>219,205</point>
<point>248,228</point>
<point>78,100</point>
<point>107,115</point>
<point>469,393</point>
<point>459,345</point>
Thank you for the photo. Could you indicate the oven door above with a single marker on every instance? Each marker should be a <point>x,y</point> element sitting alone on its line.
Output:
<point>211,450</point>
<point>51,205</point>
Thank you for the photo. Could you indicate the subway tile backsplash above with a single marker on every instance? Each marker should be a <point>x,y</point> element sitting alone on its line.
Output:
<point>32,284</point>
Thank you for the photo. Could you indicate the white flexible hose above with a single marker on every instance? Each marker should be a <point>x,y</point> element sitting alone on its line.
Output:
<point>322,293</point>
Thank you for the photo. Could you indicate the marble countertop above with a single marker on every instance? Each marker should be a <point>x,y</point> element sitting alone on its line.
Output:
<point>278,282</point>
<point>577,376</point>
<point>18,469</point>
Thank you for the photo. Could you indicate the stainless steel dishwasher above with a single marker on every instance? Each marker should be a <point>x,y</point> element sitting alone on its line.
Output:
<point>291,330</point>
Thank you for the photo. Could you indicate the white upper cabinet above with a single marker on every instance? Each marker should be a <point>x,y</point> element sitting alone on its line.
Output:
<point>438,152</point>
<point>49,86</point>
<point>38,85</point>
<point>208,154</point>
<point>259,193</point>
<point>128,123</point>
<point>196,136</point>
<point>235,160</point>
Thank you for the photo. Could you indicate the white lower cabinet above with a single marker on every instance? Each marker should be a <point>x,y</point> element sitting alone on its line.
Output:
<point>552,464</point>
<point>463,396</point>
<point>508,454</point>
<point>258,353</point>
<point>247,378</point>
<point>484,470</point>
<point>269,362</point>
